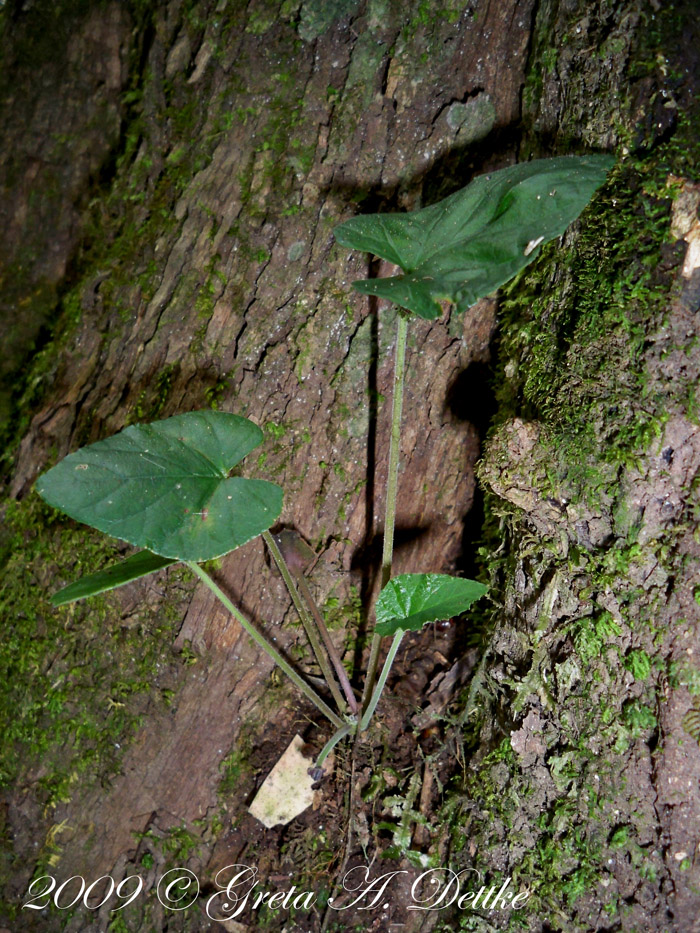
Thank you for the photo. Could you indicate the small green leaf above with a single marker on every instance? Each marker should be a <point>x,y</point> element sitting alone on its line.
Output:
<point>138,565</point>
<point>165,486</point>
<point>478,238</point>
<point>411,600</point>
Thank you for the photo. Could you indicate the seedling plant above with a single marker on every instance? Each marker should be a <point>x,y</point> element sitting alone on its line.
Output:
<point>170,487</point>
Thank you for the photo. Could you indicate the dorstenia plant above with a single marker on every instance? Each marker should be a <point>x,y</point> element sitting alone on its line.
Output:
<point>478,238</point>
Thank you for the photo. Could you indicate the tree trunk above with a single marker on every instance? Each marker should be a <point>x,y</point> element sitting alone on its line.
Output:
<point>170,196</point>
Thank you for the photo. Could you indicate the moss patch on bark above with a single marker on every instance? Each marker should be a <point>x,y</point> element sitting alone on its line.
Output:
<point>590,552</point>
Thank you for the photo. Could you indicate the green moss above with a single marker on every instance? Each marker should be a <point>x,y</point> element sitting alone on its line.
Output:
<point>262,19</point>
<point>153,399</point>
<point>275,430</point>
<point>347,614</point>
<point>426,19</point>
<point>684,675</point>
<point>215,394</point>
<point>638,663</point>
<point>569,855</point>
<point>600,298</point>
<point>69,675</point>
<point>209,292</point>
<point>576,332</point>
<point>178,844</point>
<point>75,682</point>
<point>593,634</point>
<point>235,766</point>
<point>317,16</point>
<point>604,304</point>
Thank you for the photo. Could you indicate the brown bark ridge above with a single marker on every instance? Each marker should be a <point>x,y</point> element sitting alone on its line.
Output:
<point>206,274</point>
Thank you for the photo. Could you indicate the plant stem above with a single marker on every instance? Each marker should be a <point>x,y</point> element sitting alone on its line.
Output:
<point>306,620</point>
<point>260,640</point>
<point>369,712</point>
<point>333,741</point>
<point>330,647</point>
<point>391,492</point>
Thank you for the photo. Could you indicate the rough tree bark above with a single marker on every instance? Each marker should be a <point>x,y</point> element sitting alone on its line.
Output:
<point>170,194</point>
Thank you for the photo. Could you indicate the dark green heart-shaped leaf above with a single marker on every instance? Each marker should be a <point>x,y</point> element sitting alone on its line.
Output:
<point>411,600</point>
<point>165,486</point>
<point>478,238</point>
<point>138,565</point>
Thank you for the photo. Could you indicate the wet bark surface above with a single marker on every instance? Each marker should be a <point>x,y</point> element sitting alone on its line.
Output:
<point>204,160</point>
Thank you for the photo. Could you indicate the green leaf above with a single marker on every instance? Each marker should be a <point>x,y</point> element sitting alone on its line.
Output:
<point>138,565</point>
<point>411,600</point>
<point>478,238</point>
<point>165,486</point>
